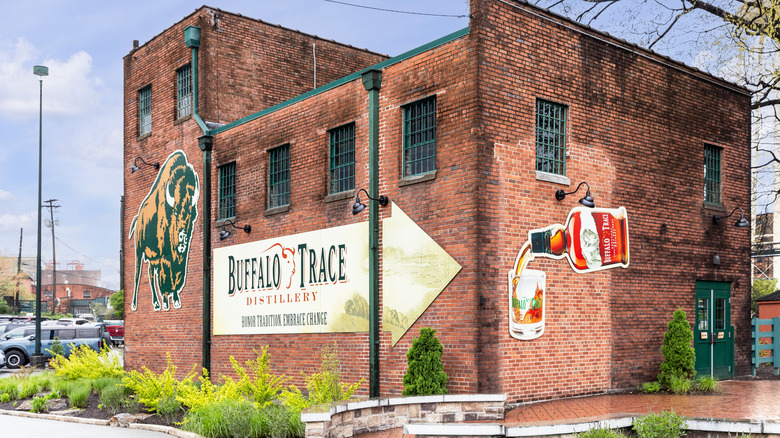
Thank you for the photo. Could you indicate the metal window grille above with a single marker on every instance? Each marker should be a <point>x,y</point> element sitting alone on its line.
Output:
<point>145,110</point>
<point>279,176</point>
<point>342,159</point>
<point>227,191</point>
<point>550,137</point>
<point>183,91</point>
<point>712,174</point>
<point>420,137</point>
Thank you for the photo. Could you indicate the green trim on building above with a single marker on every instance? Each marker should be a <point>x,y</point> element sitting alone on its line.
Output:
<point>354,76</point>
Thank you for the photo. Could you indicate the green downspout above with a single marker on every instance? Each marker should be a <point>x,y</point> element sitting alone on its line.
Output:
<point>206,144</point>
<point>372,81</point>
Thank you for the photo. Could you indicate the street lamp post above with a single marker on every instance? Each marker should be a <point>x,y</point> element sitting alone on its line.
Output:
<point>40,71</point>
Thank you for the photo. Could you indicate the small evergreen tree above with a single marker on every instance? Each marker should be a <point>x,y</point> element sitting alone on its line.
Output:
<point>425,373</point>
<point>679,356</point>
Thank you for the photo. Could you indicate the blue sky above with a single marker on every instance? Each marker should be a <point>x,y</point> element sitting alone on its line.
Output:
<point>83,43</point>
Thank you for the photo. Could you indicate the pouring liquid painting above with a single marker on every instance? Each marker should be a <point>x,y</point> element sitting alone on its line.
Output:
<point>593,239</point>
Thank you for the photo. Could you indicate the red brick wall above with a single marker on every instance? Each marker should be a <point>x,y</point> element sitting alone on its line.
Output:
<point>245,66</point>
<point>637,125</point>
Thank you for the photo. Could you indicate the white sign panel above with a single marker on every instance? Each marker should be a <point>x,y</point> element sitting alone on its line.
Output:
<point>315,282</point>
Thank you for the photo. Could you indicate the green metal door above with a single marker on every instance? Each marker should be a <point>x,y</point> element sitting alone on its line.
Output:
<point>713,334</point>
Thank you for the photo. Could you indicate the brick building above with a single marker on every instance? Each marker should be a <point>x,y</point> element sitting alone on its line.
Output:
<point>476,133</point>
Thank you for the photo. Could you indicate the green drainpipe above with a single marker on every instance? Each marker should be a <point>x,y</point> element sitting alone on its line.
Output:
<point>372,80</point>
<point>206,144</point>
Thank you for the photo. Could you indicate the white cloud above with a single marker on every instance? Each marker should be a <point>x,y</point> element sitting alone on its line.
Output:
<point>5,195</point>
<point>68,91</point>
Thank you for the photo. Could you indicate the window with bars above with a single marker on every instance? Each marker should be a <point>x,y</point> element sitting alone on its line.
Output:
<point>183,91</point>
<point>87,294</point>
<point>550,137</point>
<point>420,137</point>
<point>342,159</point>
<point>712,174</point>
<point>145,110</point>
<point>227,191</point>
<point>279,176</point>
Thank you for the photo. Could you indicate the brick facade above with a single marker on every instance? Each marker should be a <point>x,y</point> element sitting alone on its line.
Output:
<point>637,125</point>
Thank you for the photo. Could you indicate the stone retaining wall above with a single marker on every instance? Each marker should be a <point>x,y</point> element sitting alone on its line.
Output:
<point>349,419</point>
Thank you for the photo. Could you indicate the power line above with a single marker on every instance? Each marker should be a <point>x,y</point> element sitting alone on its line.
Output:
<point>86,256</point>
<point>398,12</point>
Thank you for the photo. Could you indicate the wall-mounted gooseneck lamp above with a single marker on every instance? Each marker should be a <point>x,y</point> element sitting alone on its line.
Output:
<point>224,234</point>
<point>358,206</point>
<point>586,200</point>
<point>135,165</point>
<point>741,222</point>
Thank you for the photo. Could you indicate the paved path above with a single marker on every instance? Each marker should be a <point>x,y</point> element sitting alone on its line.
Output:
<point>739,400</point>
<point>13,426</point>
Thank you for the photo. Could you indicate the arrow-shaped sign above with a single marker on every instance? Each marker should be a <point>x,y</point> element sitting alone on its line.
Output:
<point>415,271</point>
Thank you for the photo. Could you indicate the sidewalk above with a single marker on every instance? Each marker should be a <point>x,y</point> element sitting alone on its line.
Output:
<point>749,401</point>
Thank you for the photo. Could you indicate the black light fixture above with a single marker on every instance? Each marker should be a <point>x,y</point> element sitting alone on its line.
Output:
<point>135,165</point>
<point>587,200</point>
<point>358,206</point>
<point>741,222</point>
<point>224,234</point>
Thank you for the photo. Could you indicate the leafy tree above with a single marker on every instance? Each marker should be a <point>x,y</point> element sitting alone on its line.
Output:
<point>117,301</point>
<point>679,356</point>
<point>761,288</point>
<point>425,373</point>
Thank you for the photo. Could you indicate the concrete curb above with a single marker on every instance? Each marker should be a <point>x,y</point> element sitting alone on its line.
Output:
<point>150,427</point>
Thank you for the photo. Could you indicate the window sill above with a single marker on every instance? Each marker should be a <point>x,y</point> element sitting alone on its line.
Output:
<point>409,180</point>
<point>277,210</point>
<point>714,207</point>
<point>553,178</point>
<point>182,120</point>
<point>220,222</point>
<point>143,137</point>
<point>340,196</point>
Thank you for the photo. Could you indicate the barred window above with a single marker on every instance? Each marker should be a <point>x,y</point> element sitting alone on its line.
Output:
<point>145,110</point>
<point>712,174</point>
<point>279,176</point>
<point>420,137</point>
<point>550,137</point>
<point>342,159</point>
<point>184,91</point>
<point>227,191</point>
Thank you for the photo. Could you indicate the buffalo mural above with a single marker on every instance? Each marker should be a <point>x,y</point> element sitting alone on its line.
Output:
<point>163,231</point>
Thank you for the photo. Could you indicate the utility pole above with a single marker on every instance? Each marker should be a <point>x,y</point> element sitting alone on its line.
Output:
<point>51,207</point>
<point>18,270</point>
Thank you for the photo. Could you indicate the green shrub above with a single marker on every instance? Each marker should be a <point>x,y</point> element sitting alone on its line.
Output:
<point>236,417</point>
<point>27,388</point>
<point>169,408</point>
<point>600,432</point>
<point>324,386</point>
<point>114,397</point>
<point>708,384</point>
<point>666,424</point>
<point>100,384</point>
<point>57,349</point>
<point>650,387</point>
<point>680,385</point>
<point>258,384</point>
<point>38,404</point>
<point>9,387</point>
<point>84,362</point>
<point>79,395</point>
<point>5,397</point>
<point>150,388</point>
<point>679,356</point>
<point>53,395</point>
<point>425,373</point>
<point>281,421</point>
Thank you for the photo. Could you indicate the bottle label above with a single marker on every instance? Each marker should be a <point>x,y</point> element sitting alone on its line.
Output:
<point>597,239</point>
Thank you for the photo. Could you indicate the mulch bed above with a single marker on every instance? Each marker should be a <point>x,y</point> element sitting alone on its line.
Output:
<point>92,411</point>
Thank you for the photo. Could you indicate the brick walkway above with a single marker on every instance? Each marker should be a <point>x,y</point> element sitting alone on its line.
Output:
<point>739,400</point>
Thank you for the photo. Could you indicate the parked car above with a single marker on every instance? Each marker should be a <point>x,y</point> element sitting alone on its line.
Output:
<point>2,359</point>
<point>72,321</point>
<point>116,329</point>
<point>19,349</point>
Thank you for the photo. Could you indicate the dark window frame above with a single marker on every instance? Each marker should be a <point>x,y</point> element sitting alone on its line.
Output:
<point>279,176</point>
<point>419,137</point>
<point>713,165</point>
<point>184,91</point>
<point>145,111</point>
<point>227,191</point>
<point>341,171</point>
<point>550,136</point>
